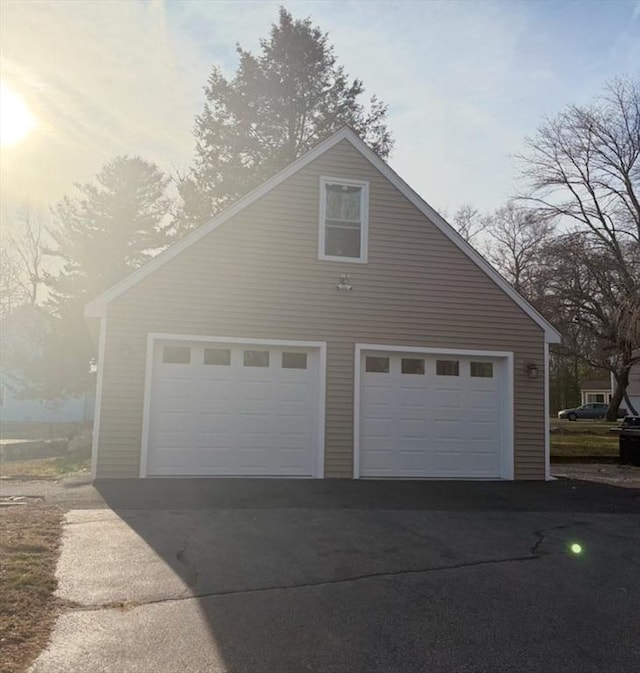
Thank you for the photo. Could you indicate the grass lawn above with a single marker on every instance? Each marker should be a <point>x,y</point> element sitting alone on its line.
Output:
<point>45,468</point>
<point>29,540</point>
<point>581,439</point>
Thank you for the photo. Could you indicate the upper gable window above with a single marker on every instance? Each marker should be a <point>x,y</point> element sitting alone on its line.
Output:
<point>344,208</point>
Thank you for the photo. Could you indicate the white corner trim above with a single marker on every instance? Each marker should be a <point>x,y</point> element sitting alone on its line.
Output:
<point>146,409</point>
<point>320,346</point>
<point>508,394</point>
<point>97,307</point>
<point>547,437</point>
<point>364,220</point>
<point>322,392</point>
<point>509,438</point>
<point>357,379</point>
<point>95,435</point>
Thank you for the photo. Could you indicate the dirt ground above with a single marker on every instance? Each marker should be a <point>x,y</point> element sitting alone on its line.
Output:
<point>626,476</point>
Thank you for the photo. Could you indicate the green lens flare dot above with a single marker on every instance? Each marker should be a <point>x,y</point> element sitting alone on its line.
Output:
<point>576,548</point>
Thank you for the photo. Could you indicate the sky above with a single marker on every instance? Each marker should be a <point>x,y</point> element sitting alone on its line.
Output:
<point>465,82</point>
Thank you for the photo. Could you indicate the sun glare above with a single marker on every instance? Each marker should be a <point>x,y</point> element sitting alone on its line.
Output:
<point>16,120</point>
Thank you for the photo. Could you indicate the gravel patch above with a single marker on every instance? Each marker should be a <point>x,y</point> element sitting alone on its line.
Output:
<point>626,476</point>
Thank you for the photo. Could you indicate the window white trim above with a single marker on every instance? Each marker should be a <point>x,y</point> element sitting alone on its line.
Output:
<point>320,346</point>
<point>364,220</point>
<point>508,439</point>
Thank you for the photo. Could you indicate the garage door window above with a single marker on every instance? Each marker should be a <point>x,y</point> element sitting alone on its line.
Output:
<point>177,355</point>
<point>377,365</point>
<point>447,368</point>
<point>483,370</point>
<point>256,358</point>
<point>217,356</point>
<point>294,361</point>
<point>412,366</point>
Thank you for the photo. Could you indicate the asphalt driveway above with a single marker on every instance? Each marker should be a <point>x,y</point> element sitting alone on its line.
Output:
<point>291,576</point>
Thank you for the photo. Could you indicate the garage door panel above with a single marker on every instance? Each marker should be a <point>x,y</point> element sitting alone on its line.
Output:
<point>230,419</point>
<point>255,390</point>
<point>412,429</point>
<point>293,425</point>
<point>377,394</point>
<point>416,462</point>
<point>479,431</point>
<point>377,428</point>
<point>379,461</point>
<point>178,391</point>
<point>292,391</point>
<point>289,460</point>
<point>173,424</point>
<point>430,425</point>
<point>447,399</point>
<point>414,397</point>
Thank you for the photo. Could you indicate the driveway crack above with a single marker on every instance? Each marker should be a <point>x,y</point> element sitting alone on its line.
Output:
<point>127,605</point>
<point>540,535</point>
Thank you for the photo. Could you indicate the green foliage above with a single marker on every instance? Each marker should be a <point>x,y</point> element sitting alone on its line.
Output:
<point>111,228</point>
<point>278,105</point>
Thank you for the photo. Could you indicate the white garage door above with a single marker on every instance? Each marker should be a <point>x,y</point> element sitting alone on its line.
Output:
<point>230,409</point>
<point>438,416</point>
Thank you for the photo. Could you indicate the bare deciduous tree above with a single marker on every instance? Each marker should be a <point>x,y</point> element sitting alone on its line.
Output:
<point>12,293</point>
<point>584,173</point>
<point>468,222</point>
<point>23,258</point>
<point>515,245</point>
<point>28,245</point>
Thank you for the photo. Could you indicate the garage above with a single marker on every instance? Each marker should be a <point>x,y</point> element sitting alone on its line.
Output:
<point>234,408</point>
<point>433,414</point>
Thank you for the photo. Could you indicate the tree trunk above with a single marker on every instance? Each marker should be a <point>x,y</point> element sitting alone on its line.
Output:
<point>622,381</point>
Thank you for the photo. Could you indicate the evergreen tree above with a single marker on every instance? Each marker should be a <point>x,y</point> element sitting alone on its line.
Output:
<point>278,105</point>
<point>111,228</point>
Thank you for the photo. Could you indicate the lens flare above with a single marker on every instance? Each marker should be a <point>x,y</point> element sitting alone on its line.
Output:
<point>576,548</point>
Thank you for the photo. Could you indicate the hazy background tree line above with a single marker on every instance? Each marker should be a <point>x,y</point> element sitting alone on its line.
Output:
<point>569,243</point>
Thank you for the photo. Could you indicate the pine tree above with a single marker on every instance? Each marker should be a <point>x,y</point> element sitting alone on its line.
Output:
<point>112,227</point>
<point>278,105</point>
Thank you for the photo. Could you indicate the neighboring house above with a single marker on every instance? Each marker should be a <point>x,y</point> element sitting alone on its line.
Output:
<point>328,324</point>
<point>20,332</point>
<point>633,389</point>
<point>602,390</point>
<point>595,391</point>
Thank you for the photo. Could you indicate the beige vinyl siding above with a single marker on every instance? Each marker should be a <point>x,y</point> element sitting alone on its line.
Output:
<point>258,276</point>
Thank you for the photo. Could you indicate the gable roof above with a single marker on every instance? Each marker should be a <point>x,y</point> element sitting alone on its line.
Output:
<point>97,307</point>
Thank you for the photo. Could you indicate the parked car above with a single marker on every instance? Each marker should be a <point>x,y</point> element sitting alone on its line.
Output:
<point>591,410</point>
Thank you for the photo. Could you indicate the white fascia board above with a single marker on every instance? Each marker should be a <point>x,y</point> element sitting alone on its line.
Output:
<point>551,334</point>
<point>97,307</point>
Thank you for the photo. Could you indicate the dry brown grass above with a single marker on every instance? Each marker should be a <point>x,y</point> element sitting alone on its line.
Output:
<point>29,540</point>
<point>45,468</point>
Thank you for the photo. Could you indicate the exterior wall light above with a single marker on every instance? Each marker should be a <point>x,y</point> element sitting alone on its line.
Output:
<point>344,282</point>
<point>532,370</point>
